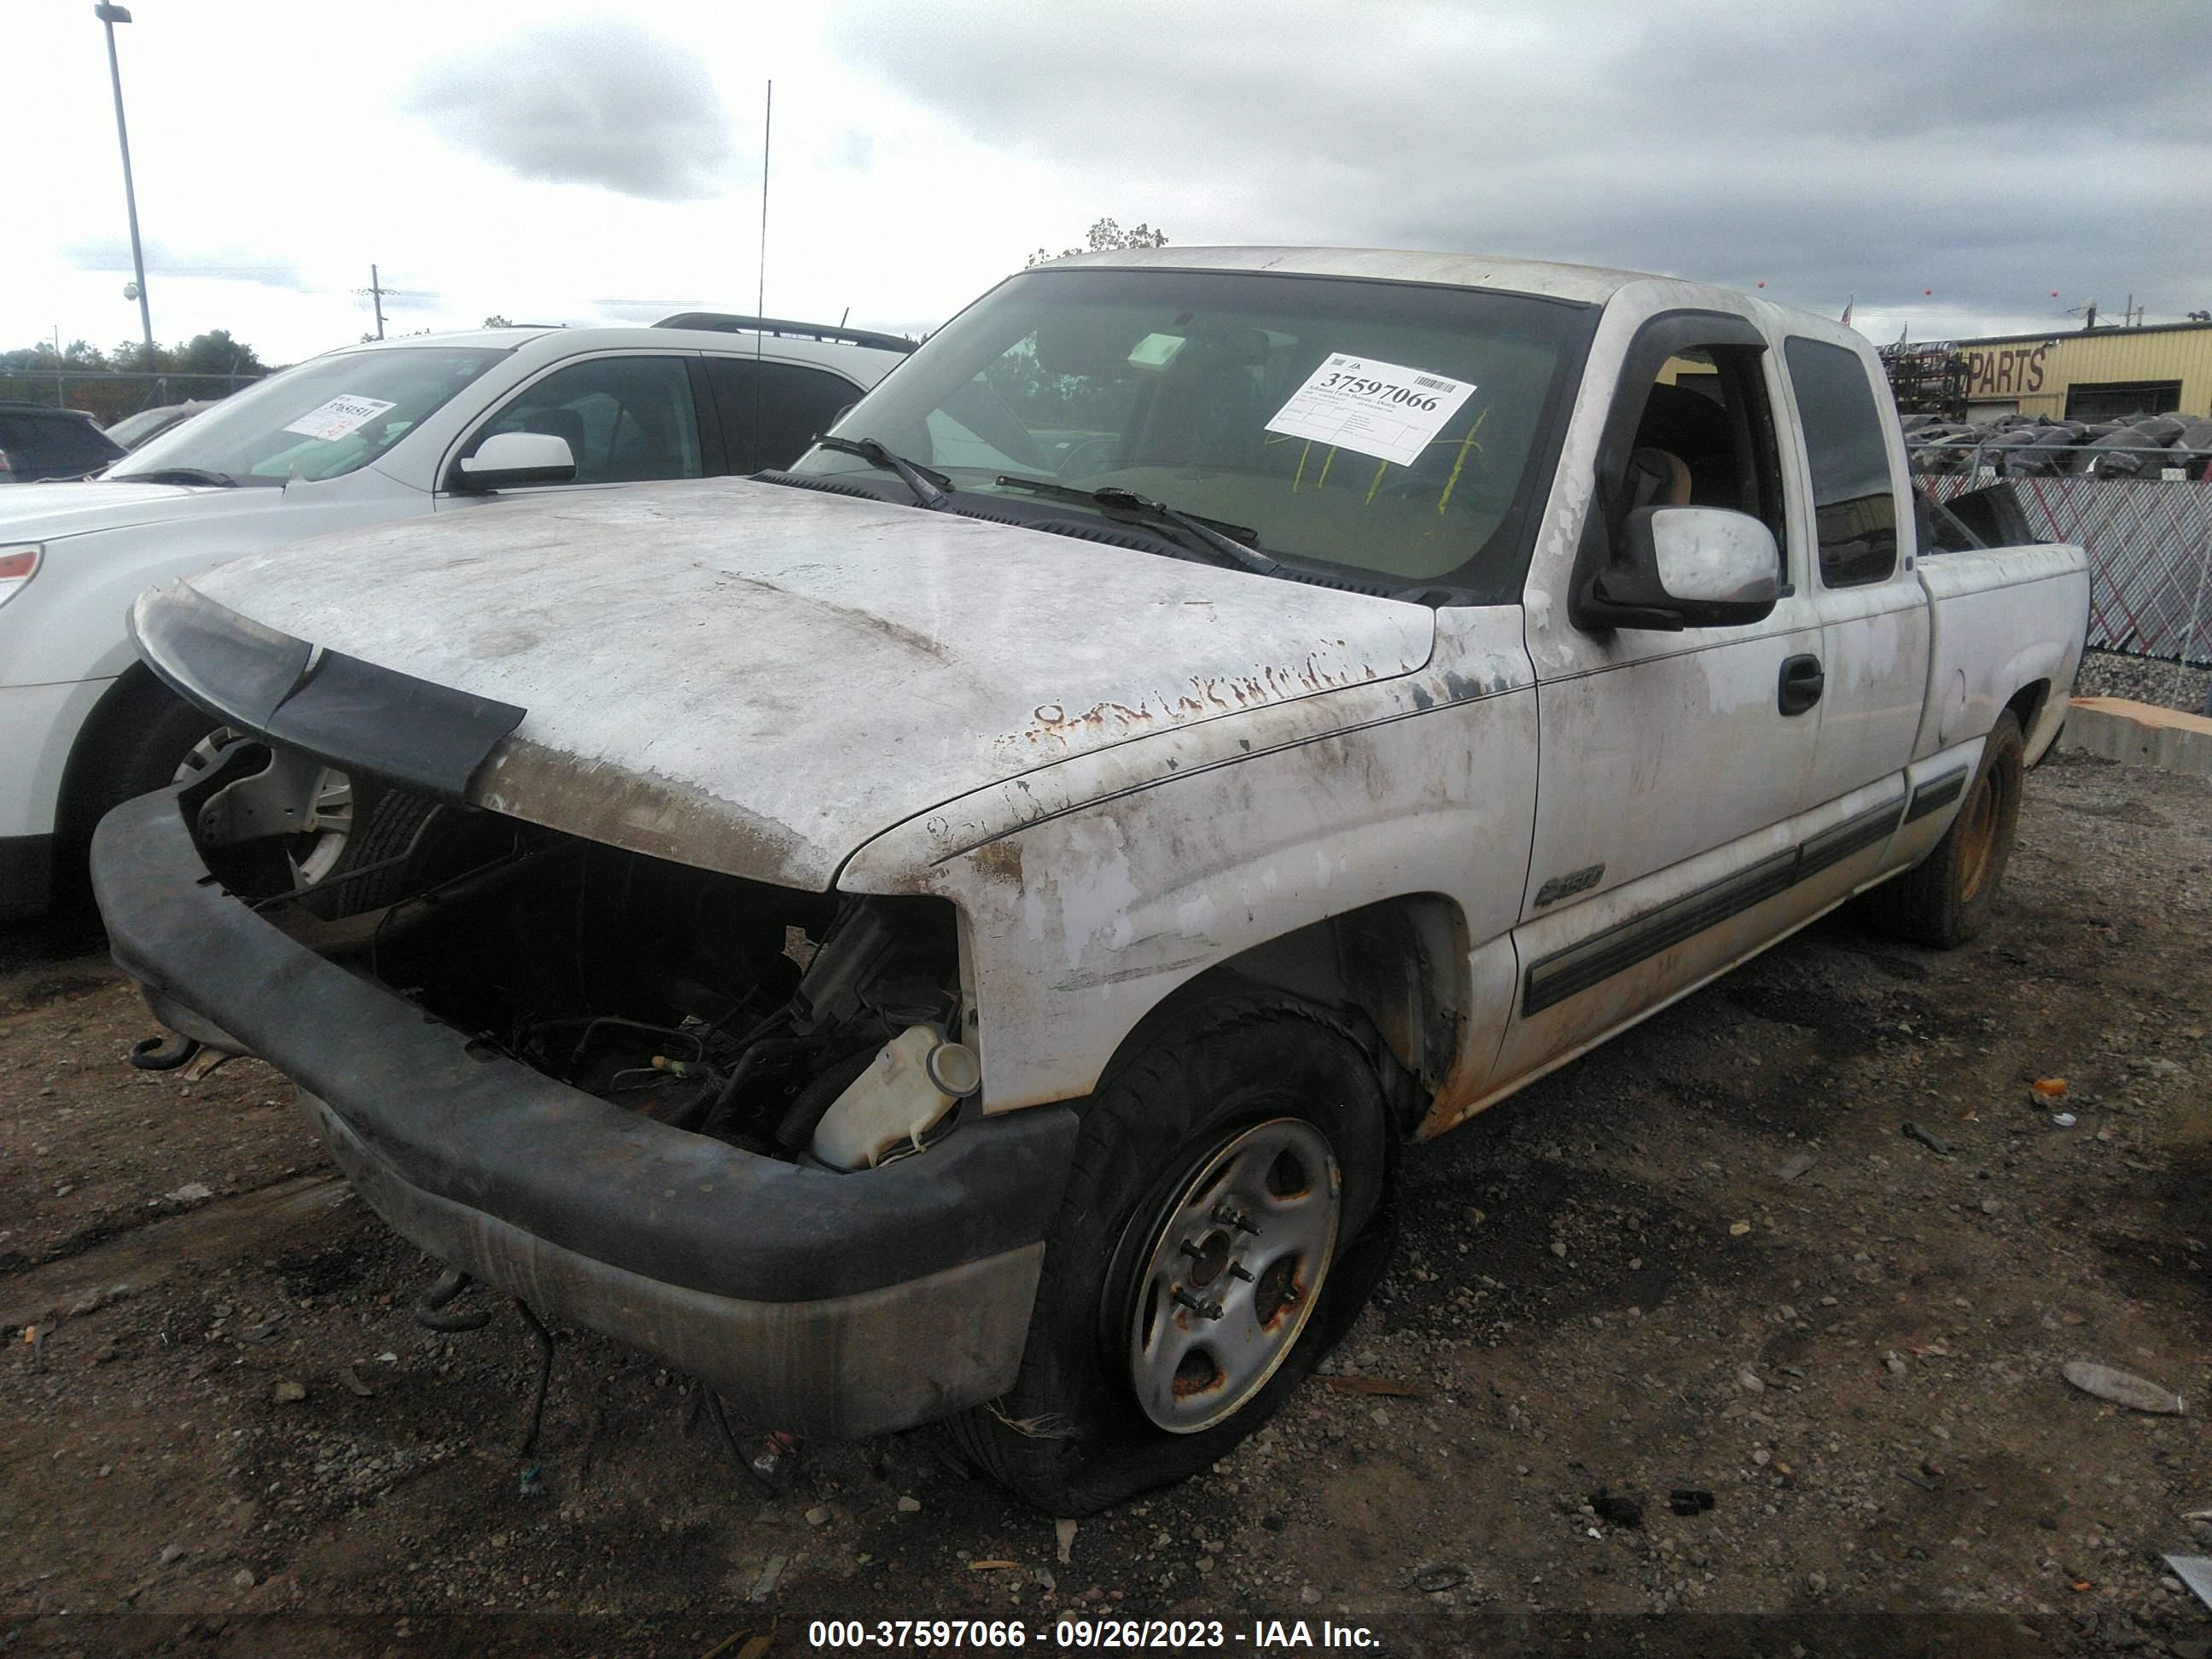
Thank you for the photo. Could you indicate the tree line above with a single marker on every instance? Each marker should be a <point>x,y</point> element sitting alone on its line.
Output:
<point>109,385</point>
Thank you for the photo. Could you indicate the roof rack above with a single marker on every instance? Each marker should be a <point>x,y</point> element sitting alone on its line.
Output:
<point>723,322</point>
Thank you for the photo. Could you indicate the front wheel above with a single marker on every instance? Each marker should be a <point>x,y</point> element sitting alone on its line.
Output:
<point>1226,1219</point>
<point>311,806</point>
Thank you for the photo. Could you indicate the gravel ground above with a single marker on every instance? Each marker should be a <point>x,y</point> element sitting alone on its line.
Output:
<point>2146,679</point>
<point>1705,1257</point>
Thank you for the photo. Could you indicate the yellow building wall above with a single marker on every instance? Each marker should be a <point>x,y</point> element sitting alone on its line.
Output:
<point>2036,374</point>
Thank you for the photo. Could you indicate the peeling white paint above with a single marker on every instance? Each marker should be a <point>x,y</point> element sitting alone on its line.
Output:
<point>1196,915</point>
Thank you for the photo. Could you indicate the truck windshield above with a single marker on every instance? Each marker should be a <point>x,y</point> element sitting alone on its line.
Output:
<point>324,418</point>
<point>1389,429</point>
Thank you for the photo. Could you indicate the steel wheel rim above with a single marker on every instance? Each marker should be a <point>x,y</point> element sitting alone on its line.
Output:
<point>1235,1261</point>
<point>315,851</point>
<point>1978,837</point>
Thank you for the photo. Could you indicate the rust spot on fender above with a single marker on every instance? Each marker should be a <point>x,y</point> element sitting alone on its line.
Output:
<point>999,860</point>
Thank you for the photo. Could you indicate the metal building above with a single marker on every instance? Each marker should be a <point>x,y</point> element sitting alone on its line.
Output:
<point>2092,374</point>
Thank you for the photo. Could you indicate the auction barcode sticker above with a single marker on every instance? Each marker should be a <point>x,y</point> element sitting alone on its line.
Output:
<point>337,417</point>
<point>1383,410</point>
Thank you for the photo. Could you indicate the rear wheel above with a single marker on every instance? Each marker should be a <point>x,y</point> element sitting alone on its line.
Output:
<point>1946,899</point>
<point>1226,1219</point>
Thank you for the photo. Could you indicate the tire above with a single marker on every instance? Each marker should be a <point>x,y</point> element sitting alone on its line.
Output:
<point>1238,1096</point>
<point>132,747</point>
<point>389,823</point>
<point>1945,899</point>
<point>155,737</point>
<point>151,735</point>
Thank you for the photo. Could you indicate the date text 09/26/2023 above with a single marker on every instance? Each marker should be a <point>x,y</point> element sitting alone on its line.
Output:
<point>1172,1635</point>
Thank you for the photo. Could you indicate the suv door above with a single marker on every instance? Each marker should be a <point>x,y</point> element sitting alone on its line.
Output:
<point>772,411</point>
<point>1672,764</point>
<point>627,418</point>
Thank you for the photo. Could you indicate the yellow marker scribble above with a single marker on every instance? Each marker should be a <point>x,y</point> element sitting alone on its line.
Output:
<point>1465,444</point>
<point>1381,468</point>
<point>1328,461</point>
<point>1306,450</point>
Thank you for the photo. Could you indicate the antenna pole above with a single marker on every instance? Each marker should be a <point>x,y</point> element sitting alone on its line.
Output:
<point>768,130</point>
<point>760,295</point>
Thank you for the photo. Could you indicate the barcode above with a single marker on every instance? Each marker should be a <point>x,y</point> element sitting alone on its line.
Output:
<point>1432,384</point>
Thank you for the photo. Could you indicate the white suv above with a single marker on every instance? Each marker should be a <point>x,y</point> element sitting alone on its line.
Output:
<point>390,430</point>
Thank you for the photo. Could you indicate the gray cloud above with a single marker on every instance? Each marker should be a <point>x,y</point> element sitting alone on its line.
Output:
<point>1875,148</point>
<point>235,264</point>
<point>596,102</point>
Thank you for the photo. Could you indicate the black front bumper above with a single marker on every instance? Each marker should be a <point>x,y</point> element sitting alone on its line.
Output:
<point>827,1304</point>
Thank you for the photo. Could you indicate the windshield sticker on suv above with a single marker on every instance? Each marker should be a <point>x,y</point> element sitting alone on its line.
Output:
<point>1156,351</point>
<point>337,417</point>
<point>1383,410</point>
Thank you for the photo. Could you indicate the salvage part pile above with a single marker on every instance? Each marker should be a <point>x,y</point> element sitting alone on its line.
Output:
<point>2039,446</point>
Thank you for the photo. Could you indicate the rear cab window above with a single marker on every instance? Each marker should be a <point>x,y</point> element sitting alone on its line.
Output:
<point>1853,492</point>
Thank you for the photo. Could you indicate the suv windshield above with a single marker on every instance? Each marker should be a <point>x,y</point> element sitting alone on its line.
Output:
<point>1386,428</point>
<point>317,421</point>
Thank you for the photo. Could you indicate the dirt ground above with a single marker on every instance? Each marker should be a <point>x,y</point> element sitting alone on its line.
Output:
<point>1707,1257</point>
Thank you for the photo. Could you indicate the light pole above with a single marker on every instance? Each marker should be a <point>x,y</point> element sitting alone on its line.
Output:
<point>110,16</point>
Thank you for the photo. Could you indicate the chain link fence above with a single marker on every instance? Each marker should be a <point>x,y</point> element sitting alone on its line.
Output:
<point>109,394</point>
<point>2149,535</point>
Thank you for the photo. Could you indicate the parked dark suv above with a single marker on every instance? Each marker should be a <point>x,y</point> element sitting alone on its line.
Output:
<point>40,441</point>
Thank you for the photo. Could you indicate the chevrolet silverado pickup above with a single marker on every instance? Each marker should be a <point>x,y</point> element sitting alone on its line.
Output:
<point>965,927</point>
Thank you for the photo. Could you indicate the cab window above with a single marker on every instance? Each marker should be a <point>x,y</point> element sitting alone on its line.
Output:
<point>1705,437</point>
<point>1854,496</point>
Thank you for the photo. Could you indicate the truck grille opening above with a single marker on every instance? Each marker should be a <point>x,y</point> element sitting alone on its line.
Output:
<point>707,1002</point>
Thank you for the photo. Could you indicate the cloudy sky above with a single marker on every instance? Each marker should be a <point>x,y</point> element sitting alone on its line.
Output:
<point>1947,167</point>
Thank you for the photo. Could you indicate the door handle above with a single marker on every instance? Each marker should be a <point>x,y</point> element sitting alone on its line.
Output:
<point>1801,680</point>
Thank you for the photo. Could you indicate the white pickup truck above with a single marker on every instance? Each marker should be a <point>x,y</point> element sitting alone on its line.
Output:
<point>962,928</point>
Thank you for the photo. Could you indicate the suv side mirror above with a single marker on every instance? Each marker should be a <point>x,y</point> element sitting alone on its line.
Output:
<point>506,459</point>
<point>1686,567</point>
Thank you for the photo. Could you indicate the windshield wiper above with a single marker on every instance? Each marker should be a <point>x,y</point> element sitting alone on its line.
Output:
<point>928,486</point>
<point>1232,549</point>
<point>183,475</point>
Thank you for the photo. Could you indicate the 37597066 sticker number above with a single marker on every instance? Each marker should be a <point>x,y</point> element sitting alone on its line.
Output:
<point>1387,411</point>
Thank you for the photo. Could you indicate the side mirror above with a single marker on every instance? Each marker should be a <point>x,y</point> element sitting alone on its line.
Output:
<point>1685,567</point>
<point>506,459</point>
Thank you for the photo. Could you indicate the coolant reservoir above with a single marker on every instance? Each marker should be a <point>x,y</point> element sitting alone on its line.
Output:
<point>909,1086</point>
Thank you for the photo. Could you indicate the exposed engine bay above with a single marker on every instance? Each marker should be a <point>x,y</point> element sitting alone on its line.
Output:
<point>709,1003</point>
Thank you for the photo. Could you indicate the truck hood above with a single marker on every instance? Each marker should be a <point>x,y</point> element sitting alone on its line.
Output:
<point>47,511</point>
<point>758,678</point>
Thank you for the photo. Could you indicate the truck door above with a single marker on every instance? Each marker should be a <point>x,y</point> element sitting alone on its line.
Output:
<point>1874,615</point>
<point>1671,763</point>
